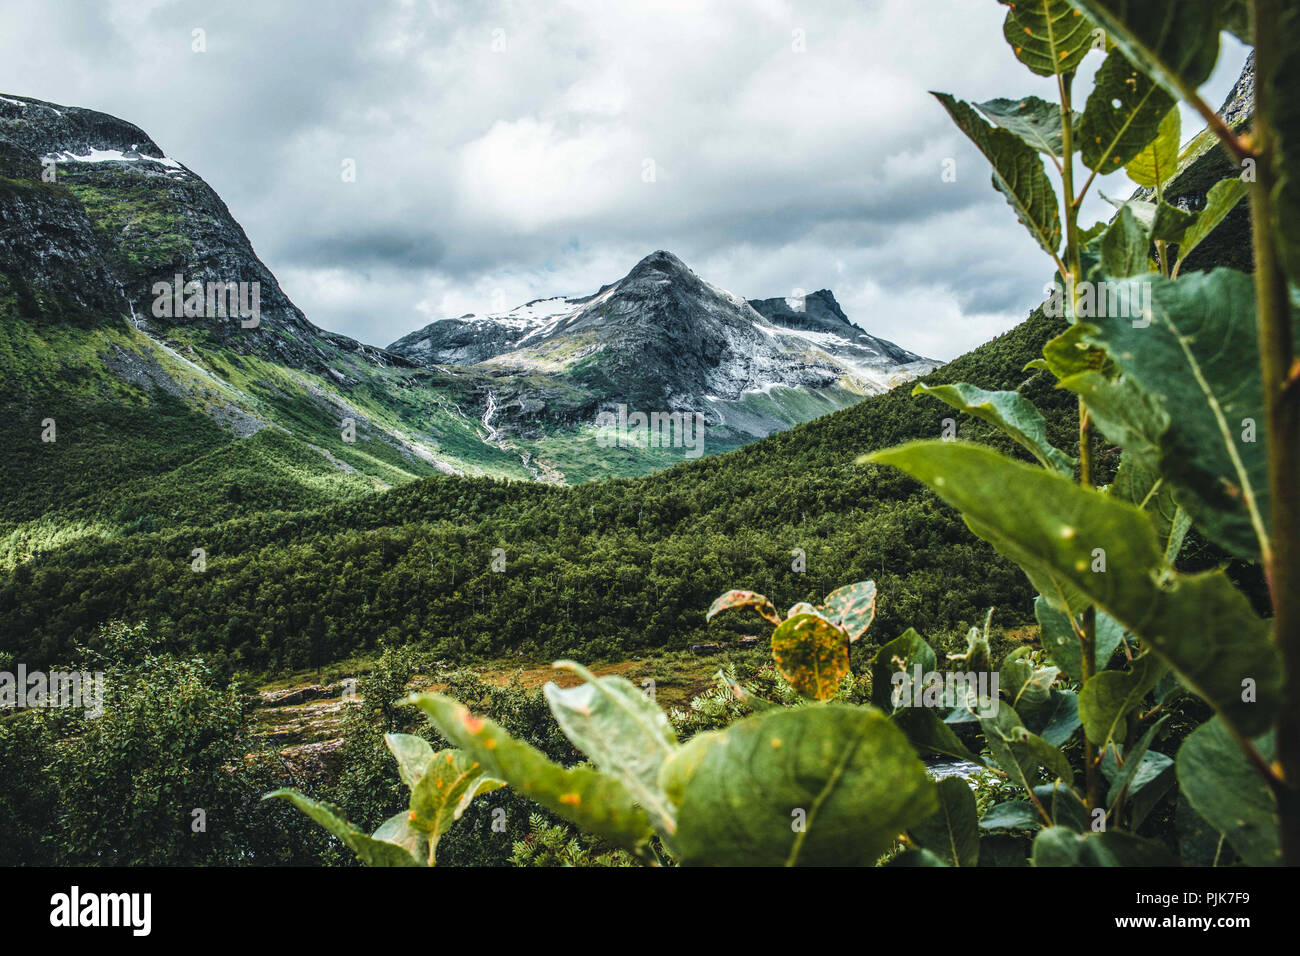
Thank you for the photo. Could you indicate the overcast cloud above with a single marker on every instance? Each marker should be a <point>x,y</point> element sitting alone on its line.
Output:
<point>502,149</point>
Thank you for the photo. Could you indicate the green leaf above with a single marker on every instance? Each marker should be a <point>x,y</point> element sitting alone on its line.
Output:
<point>370,851</point>
<point>1011,413</point>
<point>1061,643</point>
<point>1125,247</point>
<point>1223,788</point>
<point>1221,200</point>
<point>1122,115</point>
<point>930,735</point>
<point>1159,158</point>
<point>1199,623</point>
<point>1058,718</point>
<point>1047,35</point>
<point>1139,484</point>
<point>952,833</point>
<point>1028,685</point>
<point>905,654</point>
<point>1061,846</point>
<point>1197,361</point>
<point>1122,777</point>
<point>1035,121</point>
<point>734,599</point>
<point>1107,698</point>
<point>1063,805</point>
<point>1012,815</point>
<point>852,608</point>
<point>450,783</point>
<point>1176,43</point>
<point>812,654</point>
<point>413,756</point>
<point>622,731</point>
<point>1159,219</point>
<point>595,802</point>
<point>1018,173</point>
<point>814,786</point>
<point>1020,753</point>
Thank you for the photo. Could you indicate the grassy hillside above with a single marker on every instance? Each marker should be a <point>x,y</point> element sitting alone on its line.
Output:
<point>595,570</point>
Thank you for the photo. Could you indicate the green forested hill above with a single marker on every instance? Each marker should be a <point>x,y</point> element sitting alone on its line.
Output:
<point>595,570</point>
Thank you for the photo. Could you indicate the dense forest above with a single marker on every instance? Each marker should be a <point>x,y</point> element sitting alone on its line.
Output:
<point>596,570</point>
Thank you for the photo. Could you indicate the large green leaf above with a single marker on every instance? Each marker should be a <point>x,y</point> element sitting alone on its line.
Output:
<point>1221,200</point>
<point>1018,173</point>
<point>1047,35</point>
<point>1224,789</point>
<point>1198,362</point>
<point>1107,698</point>
<point>1122,115</point>
<point>1011,413</point>
<point>450,783</point>
<point>812,654</point>
<point>594,801</point>
<point>1035,121</point>
<point>1200,624</point>
<point>1159,158</point>
<point>819,785</point>
<point>371,851</point>
<point>622,731</point>
<point>952,833</point>
<point>1176,42</point>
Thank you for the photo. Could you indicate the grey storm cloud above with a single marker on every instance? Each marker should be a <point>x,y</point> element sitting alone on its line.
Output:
<point>505,151</point>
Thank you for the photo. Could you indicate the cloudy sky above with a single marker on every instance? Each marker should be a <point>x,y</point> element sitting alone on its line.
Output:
<point>505,151</point>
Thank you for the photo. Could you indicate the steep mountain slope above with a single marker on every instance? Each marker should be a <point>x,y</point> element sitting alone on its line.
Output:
<point>662,339</point>
<point>97,225</point>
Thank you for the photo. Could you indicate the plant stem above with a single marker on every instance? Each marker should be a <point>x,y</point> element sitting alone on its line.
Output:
<point>1283,425</point>
<point>1087,640</point>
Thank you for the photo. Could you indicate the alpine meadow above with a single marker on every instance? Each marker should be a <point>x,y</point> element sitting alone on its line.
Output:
<point>665,566</point>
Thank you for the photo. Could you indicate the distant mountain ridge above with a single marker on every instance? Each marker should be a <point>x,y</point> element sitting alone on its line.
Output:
<point>663,338</point>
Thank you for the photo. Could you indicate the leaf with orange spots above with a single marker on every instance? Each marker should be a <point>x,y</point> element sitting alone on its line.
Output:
<point>733,599</point>
<point>812,654</point>
<point>851,608</point>
<point>450,783</point>
<point>1048,36</point>
<point>603,806</point>
<point>1122,115</point>
<point>622,730</point>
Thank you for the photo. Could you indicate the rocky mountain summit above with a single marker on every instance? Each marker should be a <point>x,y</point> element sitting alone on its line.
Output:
<point>662,338</point>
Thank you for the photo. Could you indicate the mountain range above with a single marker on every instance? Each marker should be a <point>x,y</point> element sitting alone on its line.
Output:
<point>103,232</point>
